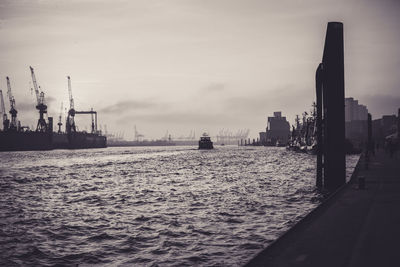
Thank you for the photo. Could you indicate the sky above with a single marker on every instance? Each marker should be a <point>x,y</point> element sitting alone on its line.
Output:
<point>201,65</point>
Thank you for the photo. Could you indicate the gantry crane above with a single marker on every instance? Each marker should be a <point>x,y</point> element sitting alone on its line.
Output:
<point>94,120</point>
<point>70,123</point>
<point>60,119</point>
<point>6,122</point>
<point>42,125</point>
<point>70,126</point>
<point>13,111</point>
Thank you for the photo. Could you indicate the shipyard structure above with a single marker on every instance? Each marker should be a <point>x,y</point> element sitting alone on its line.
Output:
<point>14,137</point>
<point>277,132</point>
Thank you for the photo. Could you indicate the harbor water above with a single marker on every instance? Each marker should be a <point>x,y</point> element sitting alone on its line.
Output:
<point>151,206</point>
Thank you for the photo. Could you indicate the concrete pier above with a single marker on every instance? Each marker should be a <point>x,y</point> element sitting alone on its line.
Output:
<point>354,227</point>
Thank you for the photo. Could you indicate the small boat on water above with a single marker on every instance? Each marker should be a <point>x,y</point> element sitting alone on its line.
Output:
<point>205,142</point>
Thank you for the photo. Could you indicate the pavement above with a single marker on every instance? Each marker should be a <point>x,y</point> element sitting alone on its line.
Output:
<point>354,227</point>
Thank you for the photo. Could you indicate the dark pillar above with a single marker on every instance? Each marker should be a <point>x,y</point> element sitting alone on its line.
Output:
<point>398,125</point>
<point>333,101</point>
<point>369,138</point>
<point>318,87</point>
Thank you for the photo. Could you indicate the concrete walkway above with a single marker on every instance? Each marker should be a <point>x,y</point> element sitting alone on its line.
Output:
<point>353,228</point>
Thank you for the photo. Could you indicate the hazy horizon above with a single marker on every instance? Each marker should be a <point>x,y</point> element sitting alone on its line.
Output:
<point>193,65</point>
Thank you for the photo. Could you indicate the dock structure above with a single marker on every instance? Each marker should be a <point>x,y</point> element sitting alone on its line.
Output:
<point>355,227</point>
<point>331,162</point>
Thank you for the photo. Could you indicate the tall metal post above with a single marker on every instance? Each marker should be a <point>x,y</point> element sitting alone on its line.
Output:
<point>369,139</point>
<point>398,125</point>
<point>333,106</point>
<point>318,87</point>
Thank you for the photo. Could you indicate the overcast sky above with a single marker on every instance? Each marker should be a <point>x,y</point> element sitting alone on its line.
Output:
<point>194,64</point>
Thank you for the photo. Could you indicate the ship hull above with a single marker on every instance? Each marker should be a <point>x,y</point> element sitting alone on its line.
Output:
<point>22,141</point>
<point>80,140</point>
<point>205,145</point>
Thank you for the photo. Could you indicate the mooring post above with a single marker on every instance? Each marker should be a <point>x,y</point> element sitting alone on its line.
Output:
<point>369,137</point>
<point>333,108</point>
<point>318,89</point>
<point>398,127</point>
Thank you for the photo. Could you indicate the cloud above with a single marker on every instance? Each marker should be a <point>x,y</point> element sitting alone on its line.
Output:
<point>380,104</point>
<point>287,98</point>
<point>131,105</point>
<point>188,119</point>
<point>214,87</point>
<point>26,107</point>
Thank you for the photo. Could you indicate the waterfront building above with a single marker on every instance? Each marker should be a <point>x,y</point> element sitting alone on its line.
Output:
<point>277,131</point>
<point>355,111</point>
<point>356,116</point>
<point>383,127</point>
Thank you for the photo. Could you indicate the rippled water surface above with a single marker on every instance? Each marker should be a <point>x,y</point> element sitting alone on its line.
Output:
<point>158,206</point>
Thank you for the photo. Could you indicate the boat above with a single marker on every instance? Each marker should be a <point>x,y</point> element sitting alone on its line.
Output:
<point>303,134</point>
<point>205,142</point>
<point>279,143</point>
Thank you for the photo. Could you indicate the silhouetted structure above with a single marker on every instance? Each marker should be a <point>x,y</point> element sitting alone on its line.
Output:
<point>277,132</point>
<point>384,127</point>
<point>356,116</point>
<point>398,125</point>
<point>330,111</point>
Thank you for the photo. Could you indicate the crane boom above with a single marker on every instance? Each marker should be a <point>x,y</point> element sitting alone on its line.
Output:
<point>9,93</point>
<point>41,106</point>
<point>71,100</point>
<point>70,124</point>
<point>35,85</point>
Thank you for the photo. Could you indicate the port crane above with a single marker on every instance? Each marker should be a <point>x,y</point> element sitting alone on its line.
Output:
<point>41,106</point>
<point>70,125</point>
<point>13,111</point>
<point>6,122</point>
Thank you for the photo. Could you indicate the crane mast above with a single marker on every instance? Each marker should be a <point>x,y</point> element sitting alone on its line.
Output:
<point>13,111</point>
<point>41,125</point>
<point>35,85</point>
<point>71,99</point>
<point>70,123</point>
<point>6,122</point>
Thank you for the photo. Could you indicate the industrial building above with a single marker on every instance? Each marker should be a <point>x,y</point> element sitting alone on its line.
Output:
<point>355,111</point>
<point>356,116</point>
<point>277,131</point>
